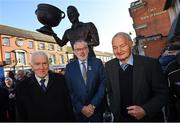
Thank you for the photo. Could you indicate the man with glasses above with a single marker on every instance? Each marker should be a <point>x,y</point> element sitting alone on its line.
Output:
<point>86,81</point>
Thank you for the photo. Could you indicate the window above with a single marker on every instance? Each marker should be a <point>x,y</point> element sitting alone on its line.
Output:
<point>59,48</point>
<point>19,42</point>
<point>51,47</point>
<point>21,58</point>
<point>41,46</point>
<point>52,59</point>
<point>30,45</point>
<point>62,59</point>
<point>6,41</point>
<point>8,57</point>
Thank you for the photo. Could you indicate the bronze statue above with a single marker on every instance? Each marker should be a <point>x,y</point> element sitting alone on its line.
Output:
<point>79,30</point>
<point>50,16</point>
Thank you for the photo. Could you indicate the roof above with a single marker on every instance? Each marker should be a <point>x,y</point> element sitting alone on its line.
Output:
<point>11,31</point>
<point>53,67</point>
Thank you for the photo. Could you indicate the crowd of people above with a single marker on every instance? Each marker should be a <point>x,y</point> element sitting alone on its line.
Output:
<point>129,87</point>
<point>8,98</point>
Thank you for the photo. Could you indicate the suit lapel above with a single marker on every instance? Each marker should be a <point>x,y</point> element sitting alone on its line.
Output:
<point>115,82</point>
<point>89,73</point>
<point>34,81</point>
<point>34,85</point>
<point>51,80</point>
<point>138,71</point>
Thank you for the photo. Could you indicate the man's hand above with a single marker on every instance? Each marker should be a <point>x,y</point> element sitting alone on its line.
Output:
<point>136,111</point>
<point>87,111</point>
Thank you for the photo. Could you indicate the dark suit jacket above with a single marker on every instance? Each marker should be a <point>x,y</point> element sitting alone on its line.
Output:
<point>3,104</point>
<point>149,87</point>
<point>92,93</point>
<point>35,105</point>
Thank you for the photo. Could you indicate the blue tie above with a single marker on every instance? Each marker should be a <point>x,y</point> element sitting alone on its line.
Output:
<point>43,85</point>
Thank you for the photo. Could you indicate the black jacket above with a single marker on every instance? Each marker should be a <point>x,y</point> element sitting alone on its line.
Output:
<point>35,105</point>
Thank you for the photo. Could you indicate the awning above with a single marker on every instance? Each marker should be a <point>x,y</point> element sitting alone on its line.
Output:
<point>168,4</point>
<point>174,33</point>
<point>53,67</point>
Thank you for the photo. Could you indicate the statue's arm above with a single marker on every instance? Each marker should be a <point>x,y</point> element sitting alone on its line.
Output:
<point>59,41</point>
<point>94,35</point>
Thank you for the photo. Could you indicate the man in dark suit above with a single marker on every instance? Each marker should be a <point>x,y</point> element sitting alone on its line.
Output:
<point>43,96</point>
<point>86,82</point>
<point>136,86</point>
<point>173,76</point>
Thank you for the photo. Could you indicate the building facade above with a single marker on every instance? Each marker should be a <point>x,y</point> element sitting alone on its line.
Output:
<point>17,45</point>
<point>173,8</point>
<point>151,24</point>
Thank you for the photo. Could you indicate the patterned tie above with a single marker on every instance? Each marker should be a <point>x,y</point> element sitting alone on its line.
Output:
<point>124,66</point>
<point>43,85</point>
<point>84,71</point>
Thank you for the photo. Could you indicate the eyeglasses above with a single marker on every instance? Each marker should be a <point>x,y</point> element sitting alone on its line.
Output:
<point>80,49</point>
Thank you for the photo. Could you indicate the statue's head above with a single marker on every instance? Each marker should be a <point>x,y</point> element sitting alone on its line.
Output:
<point>72,14</point>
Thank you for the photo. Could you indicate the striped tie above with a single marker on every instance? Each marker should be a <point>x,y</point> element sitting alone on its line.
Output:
<point>84,71</point>
<point>43,85</point>
<point>124,66</point>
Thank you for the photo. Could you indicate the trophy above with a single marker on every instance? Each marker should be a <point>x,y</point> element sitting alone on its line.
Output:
<point>50,16</point>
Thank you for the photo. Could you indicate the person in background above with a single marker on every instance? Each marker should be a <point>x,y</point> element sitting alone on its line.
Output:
<point>44,96</point>
<point>86,81</point>
<point>168,55</point>
<point>79,30</point>
<point>20,76</point>
<point>11,107</point>
<point>136,86</point>
<point>173,77</point>
<point>3,104</point>
<point>11,74</point>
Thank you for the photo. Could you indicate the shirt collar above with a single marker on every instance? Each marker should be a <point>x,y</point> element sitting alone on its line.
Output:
<point>39,79</point>
<point>130,60</point>
<point>80,62</point>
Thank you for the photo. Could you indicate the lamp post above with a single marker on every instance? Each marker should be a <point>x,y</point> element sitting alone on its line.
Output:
<point>15,60</point>
<point>67,56</point>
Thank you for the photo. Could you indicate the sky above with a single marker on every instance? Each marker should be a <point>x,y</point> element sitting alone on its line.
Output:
<point>109,16</point>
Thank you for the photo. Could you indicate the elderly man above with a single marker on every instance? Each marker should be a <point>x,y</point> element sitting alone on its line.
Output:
<point>43,96</point>
<point>136,86</point>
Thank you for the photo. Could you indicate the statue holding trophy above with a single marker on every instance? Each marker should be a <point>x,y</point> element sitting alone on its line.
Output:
<point>50,16</point>
<point>79,30</point>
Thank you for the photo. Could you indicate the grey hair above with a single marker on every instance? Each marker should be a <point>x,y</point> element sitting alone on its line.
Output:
<point>8,78</point>
<point>38,53</point>
<point>123,34</point>
<point>80,41</point>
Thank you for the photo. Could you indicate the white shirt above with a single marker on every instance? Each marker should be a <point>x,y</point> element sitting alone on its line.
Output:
<point>39,79</point>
